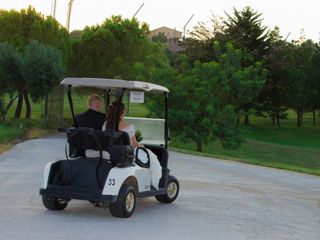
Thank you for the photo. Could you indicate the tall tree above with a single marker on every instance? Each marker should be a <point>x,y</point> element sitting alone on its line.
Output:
<point>302,79</point>
<point>245,83</point>
<point>314,73</point>
<point>112,49</point>
<point>19,28</point>
<point>245,30</point>
<point>42,70</point>
<point>273,100</point>
<point>199,46</point>
<point>205,97</point>
<point>10,74</point>
<point>199,111</point>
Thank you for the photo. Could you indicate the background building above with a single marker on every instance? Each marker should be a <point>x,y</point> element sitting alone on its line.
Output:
<point>171,36</point>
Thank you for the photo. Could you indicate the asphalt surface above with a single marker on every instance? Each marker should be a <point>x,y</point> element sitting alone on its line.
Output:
<point>218,200</point>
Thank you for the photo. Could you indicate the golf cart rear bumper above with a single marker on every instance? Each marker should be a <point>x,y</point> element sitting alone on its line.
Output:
<point>67,192</point>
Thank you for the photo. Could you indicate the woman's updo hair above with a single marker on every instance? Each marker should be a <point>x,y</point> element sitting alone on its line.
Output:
<point>112,114</point>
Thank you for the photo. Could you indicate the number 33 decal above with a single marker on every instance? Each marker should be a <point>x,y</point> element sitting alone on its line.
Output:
<point>111,181</point>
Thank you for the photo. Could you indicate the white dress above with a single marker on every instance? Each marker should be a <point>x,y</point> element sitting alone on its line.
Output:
<point>155,167</point>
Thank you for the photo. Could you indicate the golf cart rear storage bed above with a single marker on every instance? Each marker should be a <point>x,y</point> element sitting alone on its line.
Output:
<point>77,179</point>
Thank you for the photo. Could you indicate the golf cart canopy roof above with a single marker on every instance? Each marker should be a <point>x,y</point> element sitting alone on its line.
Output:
<point>105,83</point>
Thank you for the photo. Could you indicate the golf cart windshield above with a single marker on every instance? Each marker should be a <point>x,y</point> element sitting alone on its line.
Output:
<point>152,129</point>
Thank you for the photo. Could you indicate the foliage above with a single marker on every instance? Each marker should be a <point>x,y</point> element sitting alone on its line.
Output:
<point>42,69</point>
<point>273,99</point>
<point>199,47</point>
<point>292,80</point>
<point>138,135</point>
<point>10,74</point>
<point>200,108</point>
<point>314,78</point>
<point>160,38</point>
<point>287,147</point>
<point>245,83</point>
<point>115,48</point>
<point>19,29</point>
<point>10,67</point>
<point>302,77</point>
<point>244,29</point>
<point>13,130</point>
<point>245,32</point>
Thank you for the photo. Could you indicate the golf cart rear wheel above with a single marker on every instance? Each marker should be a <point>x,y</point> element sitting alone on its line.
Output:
<point>125,204</point>
<point>172,191</point>
<point>54,204</point>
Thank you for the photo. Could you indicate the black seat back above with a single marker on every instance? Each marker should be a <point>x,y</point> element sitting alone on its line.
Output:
<point>117,143</point>
<point>90,139</point>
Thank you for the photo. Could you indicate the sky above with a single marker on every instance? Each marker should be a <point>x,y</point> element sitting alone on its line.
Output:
<point>291,16</point>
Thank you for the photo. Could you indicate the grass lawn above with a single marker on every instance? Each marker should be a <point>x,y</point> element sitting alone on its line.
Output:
<point>14,131</point>
<point>287,147</point>
<point>80,105</point>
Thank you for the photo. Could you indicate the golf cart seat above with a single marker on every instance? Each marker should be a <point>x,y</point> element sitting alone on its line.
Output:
<point>82,138</point>
<point>117,143</point>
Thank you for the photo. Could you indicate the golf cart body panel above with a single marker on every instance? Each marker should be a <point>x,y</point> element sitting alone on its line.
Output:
<point>46,173</point>
<point>117,176</point>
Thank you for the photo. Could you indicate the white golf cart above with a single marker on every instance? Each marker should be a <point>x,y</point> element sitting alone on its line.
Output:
<point>117,179</point>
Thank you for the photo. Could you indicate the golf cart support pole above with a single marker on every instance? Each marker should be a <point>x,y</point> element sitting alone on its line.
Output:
<point>118,110</point>
<point>165,170</point>
<point>75,124</point>
<point>166,130</point>
<point>107,99</point>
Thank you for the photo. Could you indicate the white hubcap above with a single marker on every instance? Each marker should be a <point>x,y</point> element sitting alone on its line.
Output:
<point>130,202</point>
<point>172,189</point>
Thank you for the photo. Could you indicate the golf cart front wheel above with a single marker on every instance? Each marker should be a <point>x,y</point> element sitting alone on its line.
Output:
<point>171,193</point>
<point>125,204</point>
<point>54,204</point>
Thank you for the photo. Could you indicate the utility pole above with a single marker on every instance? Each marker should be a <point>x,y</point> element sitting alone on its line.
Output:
<point>184,28</point>
<point>53,8</point>
<point>69,14</point>
<point>287,36</point>
<point>138,10</point>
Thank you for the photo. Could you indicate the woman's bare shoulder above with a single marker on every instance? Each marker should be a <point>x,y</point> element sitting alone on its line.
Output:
<point>125,125</point>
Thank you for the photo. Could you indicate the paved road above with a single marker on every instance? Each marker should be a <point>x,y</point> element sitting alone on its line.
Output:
<point>218,200</point>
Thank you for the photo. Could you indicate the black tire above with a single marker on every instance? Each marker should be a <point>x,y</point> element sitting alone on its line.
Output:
<point>54,204</point>
<point>125,204</point>
<point>172,191</point>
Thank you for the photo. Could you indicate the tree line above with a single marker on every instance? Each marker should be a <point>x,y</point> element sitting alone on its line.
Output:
<point>33,52</point>
<point>228,70</point>
<point>234,68</point>
<point>292,81</point>
<point>36,52</point>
